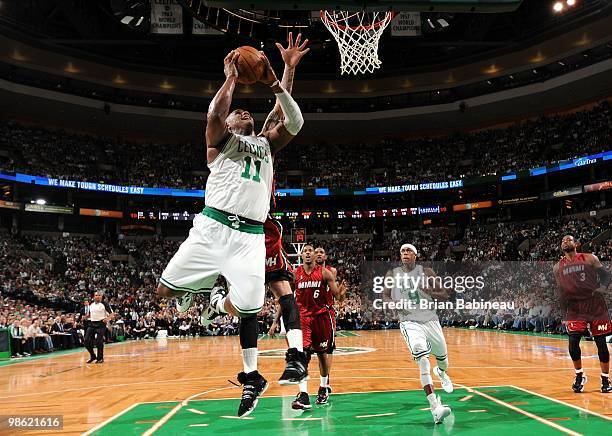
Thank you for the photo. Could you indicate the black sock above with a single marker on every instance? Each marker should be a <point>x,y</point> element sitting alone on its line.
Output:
<point>249,329</point>
<point>290,311</point>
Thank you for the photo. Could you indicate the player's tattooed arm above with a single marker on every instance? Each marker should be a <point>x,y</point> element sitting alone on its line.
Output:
<point>216,127</point>
<point>435,291</point>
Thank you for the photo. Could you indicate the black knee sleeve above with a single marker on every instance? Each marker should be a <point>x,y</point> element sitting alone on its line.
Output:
<point>249,329</point>
<point>574,346</point>
<point>602,349</point>
<point>290,311</point>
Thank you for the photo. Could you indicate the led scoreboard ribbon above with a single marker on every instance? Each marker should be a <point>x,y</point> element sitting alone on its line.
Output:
<point>316,192</point>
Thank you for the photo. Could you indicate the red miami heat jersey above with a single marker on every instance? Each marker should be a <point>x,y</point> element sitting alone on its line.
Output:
<point>577,278</point>
<point>310,291</point>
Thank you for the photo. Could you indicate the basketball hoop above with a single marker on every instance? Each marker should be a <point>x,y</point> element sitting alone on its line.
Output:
<point>357,35</point>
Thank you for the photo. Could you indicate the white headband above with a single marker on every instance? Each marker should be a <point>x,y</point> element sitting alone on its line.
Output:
<point>410,247</point>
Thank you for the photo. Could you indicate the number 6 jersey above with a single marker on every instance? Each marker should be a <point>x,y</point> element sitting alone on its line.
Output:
<point>310,290</point>
<point>240,180</point>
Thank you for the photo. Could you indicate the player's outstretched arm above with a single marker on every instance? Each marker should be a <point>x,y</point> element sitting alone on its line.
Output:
<point>216,128</point>
<point>291,57</point>
<point>285,131</point>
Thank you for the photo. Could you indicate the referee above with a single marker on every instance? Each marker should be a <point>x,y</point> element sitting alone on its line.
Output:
<point>99,314</point>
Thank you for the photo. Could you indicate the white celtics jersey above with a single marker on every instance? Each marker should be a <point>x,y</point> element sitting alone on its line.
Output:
<point>240,180</point>
<point>412,290</point>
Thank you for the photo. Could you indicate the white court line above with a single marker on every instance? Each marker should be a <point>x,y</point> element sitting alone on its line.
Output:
<point>199,412</point>
<point>608,418</point>
<point>178,407</point>
<point>181,380</point>
<point>522,412</point>
<point>198,425</point>
<point>235,417</point>
<point>377,414</point>
<point>302,419</point>
<point>112,418</point>
<point>466,398</point>
<point>477,411</point>
<point>267,396</point>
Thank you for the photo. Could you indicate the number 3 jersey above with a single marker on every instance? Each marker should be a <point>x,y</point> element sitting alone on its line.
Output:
<point>240,180</point>
<point>577,278</point>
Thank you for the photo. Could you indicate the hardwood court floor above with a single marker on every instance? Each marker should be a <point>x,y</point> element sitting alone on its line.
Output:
<point>522,383</point>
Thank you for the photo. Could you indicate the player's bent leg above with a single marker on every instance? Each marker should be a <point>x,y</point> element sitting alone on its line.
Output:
<point>253,383</point>
<point>435,337</point>
<point>604,361</point>
<point>296,369</point>
<point>440,372</point>
<point>302,400</point>
<point>438,411</point>
<point>324,389</point>
<point>575,354</point>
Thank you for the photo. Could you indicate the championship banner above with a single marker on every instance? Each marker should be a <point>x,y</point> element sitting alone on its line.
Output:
<point>200,28</point>
<point>406,24</point>
<point>166,17</point>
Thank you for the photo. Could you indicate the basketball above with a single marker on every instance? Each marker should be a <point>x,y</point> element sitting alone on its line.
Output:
<point>250,66</point>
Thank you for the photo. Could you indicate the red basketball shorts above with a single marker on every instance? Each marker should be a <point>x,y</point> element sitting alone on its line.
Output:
<point>278,267</point>
<point>319,332</point>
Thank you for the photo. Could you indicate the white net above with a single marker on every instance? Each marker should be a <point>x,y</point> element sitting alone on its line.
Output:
<point>357,35</point>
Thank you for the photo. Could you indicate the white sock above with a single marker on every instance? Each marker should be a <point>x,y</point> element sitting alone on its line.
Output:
<point>249,359</point>
<point>604,375</point>
<point>294,338</point>
<point>303,386</point>
<point>433,400</point>
<point>324,380</point>
<point>578,371</point>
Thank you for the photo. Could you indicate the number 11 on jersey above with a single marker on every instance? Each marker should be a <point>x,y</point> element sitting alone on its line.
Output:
<point>246,174</point>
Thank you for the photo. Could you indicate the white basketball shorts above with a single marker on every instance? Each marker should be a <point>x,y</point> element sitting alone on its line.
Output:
<point>214,247</point>
<point>424,338</point>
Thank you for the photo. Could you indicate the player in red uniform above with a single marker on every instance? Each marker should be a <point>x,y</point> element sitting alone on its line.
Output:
<point>582,281</point>
<point>312,283</point>
<point>325,359</point>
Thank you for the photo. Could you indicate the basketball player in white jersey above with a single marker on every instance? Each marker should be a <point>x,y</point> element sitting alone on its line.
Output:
<point>227,237</point>
<point>420,327</point>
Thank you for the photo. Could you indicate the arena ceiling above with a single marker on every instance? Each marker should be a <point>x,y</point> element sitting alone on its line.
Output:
<point>88,29</point>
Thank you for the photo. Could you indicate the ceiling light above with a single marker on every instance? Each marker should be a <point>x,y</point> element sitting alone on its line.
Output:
<point>558,7</point>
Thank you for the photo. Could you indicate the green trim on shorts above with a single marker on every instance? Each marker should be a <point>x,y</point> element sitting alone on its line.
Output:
<point>233,221</point>
<point>248,312</point>
<point>182,288</point>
